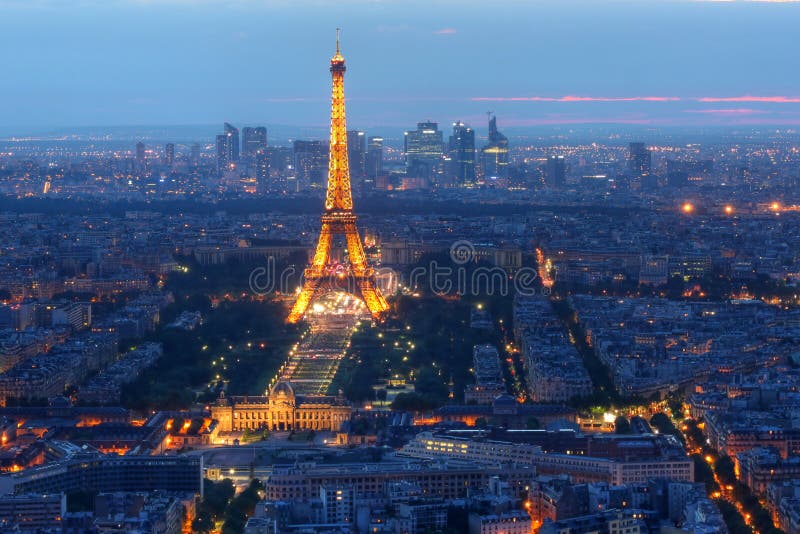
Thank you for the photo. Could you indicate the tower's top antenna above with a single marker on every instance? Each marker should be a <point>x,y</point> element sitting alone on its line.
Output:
<point>338,30</point>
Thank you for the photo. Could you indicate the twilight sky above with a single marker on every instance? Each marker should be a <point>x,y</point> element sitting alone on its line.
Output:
<point>173,62</point>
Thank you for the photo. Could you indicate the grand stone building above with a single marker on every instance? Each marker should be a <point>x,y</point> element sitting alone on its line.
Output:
<point>281,410</point>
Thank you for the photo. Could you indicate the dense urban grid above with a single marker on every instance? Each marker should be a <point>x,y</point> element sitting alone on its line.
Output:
<point>542,333</point>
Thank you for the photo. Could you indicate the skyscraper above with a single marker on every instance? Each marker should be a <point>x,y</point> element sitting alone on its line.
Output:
<point>253,140</point>
<point>228,147</point>
<point>222,152</point>
<point>139,163</point>
<point>194,153</point>
<point>555,171</point>
<point>310,162</point>
<point>639,160</point>
<point>261,160</point>
<point>424,149</point>
<point>494,156</point>
<point>374,160</point>
<point>232,133</point>
<point>169,154</point>
<point>356,156</point>
<point>140,152</point>
<point>462,154</point>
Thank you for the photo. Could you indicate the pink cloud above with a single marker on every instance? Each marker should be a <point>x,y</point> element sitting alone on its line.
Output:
<point>731,111</point>
<point>704,99</point>
<point>751,98</point>
<point>547,121</point>
<point>446,31</point>
<point>574,98</point>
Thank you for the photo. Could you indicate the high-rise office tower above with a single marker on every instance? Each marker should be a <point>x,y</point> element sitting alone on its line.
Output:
<point>639,160</point>
<point>356,156</point>
<point>139,162</point>
<point>169,154</point>
<point>280,158</point>
<point>374,160</point>
<point>494,156</point>
<point>139,152</point>
<point>311,162</point>
<point>222,152</point>
<point>462,154</point>
<point>556,171</point>
<point>261,160</point>
<point>424,149</point>
<point>228,147</point>
<point>232,135</point>
<point>194,153</point>
<point>253,140</point>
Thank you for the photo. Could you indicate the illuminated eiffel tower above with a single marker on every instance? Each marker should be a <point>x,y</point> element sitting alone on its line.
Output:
<point>324,274</point>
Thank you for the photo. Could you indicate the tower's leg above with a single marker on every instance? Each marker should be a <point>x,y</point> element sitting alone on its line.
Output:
<point>323,249</point>
<point>310,287</point>
<point>373,297</point>
<point>355,249</point>
<point>313,275</point>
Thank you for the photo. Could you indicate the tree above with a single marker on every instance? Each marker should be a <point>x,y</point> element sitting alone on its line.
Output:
<point>664,425</point>
<point>215,501</point>
<point>412,402</point>
<point>241,507</point>
<point>622,425</point>
<point>726,470</point>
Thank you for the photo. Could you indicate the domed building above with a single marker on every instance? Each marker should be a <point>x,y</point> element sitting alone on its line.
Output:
<point>281,410</point>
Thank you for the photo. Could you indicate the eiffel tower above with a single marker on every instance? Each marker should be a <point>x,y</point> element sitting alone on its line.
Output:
<point>324,274</point>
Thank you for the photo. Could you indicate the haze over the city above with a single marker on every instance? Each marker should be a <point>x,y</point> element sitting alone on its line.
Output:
<point>659,63</point>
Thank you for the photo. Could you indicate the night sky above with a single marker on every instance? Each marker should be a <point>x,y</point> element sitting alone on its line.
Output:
<point>173,62</point>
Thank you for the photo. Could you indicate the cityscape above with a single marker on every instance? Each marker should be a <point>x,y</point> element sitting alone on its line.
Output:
<point>408,312</point>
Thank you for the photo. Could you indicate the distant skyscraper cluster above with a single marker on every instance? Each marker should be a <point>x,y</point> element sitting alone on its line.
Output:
<point>456,163</point>
<point>253,151</point>
<point>245,161</point>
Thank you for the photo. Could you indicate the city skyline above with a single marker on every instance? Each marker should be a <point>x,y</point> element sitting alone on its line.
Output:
<point>541,64</point>
<point>540,275</point>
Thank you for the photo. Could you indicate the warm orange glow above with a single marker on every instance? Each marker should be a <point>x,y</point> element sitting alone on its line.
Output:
<point>687,207</point>
<point>775,206</point>
<point>338,218</point>
<point>728,209</point>
<point>545,266</point>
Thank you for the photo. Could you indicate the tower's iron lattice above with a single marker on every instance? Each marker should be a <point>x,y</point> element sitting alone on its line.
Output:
<point>338,219</point>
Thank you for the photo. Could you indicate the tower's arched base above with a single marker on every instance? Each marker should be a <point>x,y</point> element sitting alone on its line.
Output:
<point>362,287</point>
